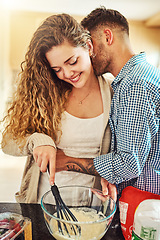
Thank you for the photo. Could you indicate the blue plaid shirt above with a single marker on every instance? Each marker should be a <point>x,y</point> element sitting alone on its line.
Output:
<point>135,125</point>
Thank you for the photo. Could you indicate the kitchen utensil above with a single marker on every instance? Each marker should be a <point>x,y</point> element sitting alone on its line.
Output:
<point>64,213</point>
<point>93,210</point>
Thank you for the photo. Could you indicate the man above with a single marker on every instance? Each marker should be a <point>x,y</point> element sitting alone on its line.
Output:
<point>135,110</point>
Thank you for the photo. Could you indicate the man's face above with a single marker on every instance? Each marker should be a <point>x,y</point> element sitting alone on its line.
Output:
<point>100,58</point>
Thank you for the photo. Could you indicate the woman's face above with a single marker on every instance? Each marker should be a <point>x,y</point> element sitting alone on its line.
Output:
<point>71,64</point>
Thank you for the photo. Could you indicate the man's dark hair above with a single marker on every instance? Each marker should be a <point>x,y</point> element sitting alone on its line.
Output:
<point>105,17</point>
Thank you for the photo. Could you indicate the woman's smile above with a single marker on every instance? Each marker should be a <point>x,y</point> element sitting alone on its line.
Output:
<point>75,79</point>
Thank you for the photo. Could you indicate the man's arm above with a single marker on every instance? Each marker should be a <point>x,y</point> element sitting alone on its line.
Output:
<point>82,165</point>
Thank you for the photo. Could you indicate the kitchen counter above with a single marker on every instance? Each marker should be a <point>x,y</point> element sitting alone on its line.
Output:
<point>39,229</point>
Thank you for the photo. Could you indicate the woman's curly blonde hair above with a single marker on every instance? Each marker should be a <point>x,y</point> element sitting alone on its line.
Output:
<point>41,97</point>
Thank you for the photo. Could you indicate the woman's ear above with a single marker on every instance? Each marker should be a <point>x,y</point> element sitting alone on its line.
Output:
<point>90,47</point>
<point>109,36</point>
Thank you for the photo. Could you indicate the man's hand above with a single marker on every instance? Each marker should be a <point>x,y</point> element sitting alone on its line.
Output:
<point>44,156</point>
<point>109,189</point>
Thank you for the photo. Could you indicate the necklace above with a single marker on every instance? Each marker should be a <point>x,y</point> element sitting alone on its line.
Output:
<point>81,101</point>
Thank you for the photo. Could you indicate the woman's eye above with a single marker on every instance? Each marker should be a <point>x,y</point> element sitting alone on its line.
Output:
<point>72,63</point>
<point>56,70</point>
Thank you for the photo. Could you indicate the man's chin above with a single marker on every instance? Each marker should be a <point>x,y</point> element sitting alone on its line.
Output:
<point>98,73</point>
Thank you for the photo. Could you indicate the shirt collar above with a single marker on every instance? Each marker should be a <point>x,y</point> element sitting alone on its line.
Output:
<point>136,59</point>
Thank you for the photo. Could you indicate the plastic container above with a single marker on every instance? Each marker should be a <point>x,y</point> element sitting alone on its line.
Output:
<point>146,223</point>
<point>15,226</point>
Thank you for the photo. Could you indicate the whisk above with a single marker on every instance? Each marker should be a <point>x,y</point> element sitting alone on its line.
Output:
<point>63,212</point>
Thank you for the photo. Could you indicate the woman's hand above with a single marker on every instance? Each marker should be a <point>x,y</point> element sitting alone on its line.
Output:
<point>109,189</point>
<point>44,156</point>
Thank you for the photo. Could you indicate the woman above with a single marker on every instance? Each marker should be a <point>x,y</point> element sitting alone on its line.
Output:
<point>59,103</point>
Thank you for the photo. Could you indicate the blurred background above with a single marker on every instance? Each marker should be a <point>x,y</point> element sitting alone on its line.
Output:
<point>18,21</point>
<point>20,18</point>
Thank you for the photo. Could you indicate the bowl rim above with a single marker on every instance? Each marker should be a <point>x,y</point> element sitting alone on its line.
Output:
<point>73,222</point>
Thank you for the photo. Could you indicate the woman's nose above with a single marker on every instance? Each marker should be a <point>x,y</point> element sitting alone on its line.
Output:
<point>68,73</point>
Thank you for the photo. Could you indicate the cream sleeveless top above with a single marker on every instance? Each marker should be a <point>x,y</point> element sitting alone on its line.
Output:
<point>81,138</point>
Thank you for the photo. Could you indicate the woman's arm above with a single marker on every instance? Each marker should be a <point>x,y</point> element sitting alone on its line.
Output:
<point>30,142</point>
<point>40,145</point>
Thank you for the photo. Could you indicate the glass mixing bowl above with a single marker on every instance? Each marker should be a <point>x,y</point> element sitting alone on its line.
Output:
<point>93,210</point>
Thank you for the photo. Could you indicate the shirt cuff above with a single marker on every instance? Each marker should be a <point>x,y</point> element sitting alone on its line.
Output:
<point>103,165</point>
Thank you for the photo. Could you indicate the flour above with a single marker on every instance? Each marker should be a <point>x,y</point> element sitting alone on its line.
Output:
<point>89,231</point>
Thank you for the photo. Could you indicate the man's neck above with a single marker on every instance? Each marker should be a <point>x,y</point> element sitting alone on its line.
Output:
<point>121,57</point>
